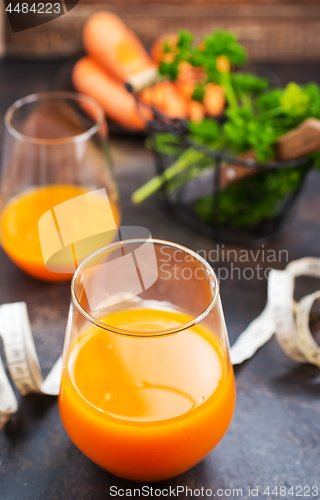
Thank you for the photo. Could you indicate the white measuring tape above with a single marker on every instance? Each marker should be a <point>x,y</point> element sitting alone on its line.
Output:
<point>282,316</point>
<point>22,361</point>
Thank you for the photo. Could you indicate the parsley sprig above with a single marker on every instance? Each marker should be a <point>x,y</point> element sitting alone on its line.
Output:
<point>255,117</point>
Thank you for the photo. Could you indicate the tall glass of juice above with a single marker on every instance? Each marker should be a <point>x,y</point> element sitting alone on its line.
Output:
<point>147,386</point>
<point>55,150</point>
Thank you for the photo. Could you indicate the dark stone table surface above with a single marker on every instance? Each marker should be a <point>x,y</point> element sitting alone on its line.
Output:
<point>274,438</point>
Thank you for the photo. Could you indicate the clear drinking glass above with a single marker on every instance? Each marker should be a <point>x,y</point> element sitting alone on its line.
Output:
<point>147,386</point>
<point>55,150</point>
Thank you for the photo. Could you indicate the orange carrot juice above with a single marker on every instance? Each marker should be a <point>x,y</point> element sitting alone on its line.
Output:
<point>146,408</point>
<point>19,227</point>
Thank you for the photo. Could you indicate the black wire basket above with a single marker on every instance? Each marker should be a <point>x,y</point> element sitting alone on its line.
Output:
<point>243,211</point>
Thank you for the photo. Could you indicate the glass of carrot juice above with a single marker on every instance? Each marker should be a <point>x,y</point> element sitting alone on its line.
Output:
<point>54,150</point>
<point>147,387</point>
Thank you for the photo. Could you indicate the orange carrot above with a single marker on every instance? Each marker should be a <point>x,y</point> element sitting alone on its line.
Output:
<point>190,74</point>
<point>213,99</point>
<point>185,89</point>
<point>195,111</point>
<point>118,104</point>
<point>157,50</point>
<point>116,48</point>
<point>165,97</point>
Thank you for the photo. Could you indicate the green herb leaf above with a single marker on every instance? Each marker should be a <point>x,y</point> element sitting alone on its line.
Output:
<point>248,202</point>
<point>198,93</point>
<point>294,100</point>
<point>244,83</point>
<point>206,131</point>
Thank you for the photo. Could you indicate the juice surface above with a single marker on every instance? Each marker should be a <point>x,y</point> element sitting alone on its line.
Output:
<point>19,226</point>
<point>144,408</point>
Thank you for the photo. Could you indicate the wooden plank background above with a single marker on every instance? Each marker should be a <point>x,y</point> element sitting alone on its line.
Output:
<point>271,30</point>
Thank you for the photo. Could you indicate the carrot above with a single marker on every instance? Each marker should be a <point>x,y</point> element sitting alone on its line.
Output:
<point>185,89</point>
<point>118,104</point>
<point>116,48</point>
<point>190,74</point>
<point>157,50</point>
<point>195,111</point>
<point>213,99</point>
<point>165,97</point>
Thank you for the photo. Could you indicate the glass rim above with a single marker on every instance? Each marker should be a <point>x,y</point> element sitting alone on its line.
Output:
<point>158,333</point>
<point>54,94</point>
